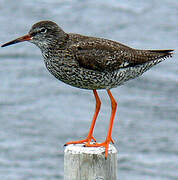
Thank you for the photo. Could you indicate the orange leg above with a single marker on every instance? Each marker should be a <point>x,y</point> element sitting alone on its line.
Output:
<point>90,134</point>
<point>109,135</point>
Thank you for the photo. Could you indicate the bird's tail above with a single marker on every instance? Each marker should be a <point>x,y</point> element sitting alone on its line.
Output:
<point>151,55</point>
<point>162,53</point>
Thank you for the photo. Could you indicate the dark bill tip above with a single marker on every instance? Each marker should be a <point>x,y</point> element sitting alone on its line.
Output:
<point>21,39</point>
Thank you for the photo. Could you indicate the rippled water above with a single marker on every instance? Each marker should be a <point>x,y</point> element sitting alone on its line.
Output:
<point>38,114</point>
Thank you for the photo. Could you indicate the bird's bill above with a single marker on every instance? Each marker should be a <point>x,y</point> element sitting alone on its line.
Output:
<point>20,39</point>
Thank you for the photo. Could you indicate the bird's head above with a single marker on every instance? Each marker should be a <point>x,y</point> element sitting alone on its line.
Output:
<point>43,34</point>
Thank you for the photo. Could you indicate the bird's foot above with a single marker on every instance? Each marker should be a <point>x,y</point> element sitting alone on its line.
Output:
<point>104,144</point>
<point>87,141</point>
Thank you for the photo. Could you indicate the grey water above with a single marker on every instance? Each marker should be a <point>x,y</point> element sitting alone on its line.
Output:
<point>39,114</point>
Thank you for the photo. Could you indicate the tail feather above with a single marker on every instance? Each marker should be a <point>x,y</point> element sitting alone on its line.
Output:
<point>161,54</point>
<point>163,51</point>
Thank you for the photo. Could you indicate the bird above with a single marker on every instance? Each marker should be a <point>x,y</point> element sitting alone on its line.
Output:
<point>90,63</point>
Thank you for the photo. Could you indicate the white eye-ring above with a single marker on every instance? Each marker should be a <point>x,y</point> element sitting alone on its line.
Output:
<point>43,30</point>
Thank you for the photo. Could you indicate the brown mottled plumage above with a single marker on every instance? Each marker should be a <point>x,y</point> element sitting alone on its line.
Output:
<point>90,63</point>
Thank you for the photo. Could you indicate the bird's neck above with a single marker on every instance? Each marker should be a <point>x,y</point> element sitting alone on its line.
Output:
<point>53,48</point>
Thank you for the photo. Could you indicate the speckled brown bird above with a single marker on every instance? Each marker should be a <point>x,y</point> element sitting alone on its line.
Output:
<point>90,63</point>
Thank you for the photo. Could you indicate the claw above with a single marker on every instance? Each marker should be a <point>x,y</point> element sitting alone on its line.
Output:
<point>93,139</point>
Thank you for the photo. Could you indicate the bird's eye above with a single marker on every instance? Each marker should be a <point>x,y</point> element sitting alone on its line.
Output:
<point>43,30</point>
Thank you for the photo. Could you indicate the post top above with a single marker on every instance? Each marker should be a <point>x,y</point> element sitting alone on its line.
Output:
<point>80,149</point>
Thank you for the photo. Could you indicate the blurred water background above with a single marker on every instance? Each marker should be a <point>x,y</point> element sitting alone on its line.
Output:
<point>38,113</point>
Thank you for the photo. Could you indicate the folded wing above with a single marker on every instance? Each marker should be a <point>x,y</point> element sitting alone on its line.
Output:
<point>107,55</point>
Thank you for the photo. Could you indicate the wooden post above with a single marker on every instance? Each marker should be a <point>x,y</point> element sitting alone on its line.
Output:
<point>89,163</point>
